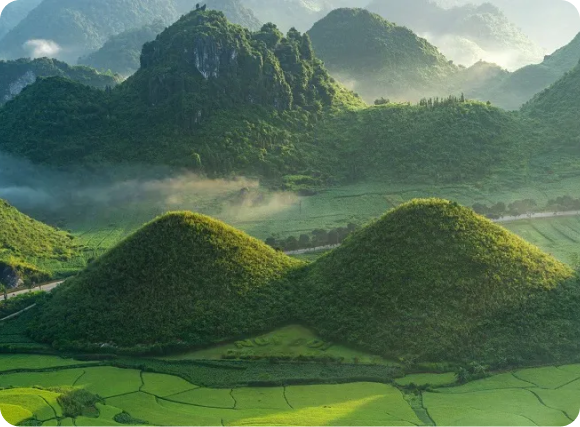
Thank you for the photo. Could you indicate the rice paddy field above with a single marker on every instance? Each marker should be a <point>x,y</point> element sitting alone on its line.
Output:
<point>30,388</point>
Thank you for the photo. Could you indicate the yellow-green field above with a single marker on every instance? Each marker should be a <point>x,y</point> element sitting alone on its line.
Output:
<point>544,396</point>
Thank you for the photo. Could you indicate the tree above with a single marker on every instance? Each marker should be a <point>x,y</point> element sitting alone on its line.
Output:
<point>271,241</point>
<point>304,240</point>
<point>4,290</point>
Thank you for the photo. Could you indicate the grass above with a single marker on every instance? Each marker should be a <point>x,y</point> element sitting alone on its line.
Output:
<point>41,403</point>
<point>109,381</point>
<point>164,385</point>
<point>492,407</point>
<point>14,414</point>
<point>63,377</point>
<point>293,341</point>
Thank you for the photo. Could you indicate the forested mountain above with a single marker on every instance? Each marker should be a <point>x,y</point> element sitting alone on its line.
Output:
<point>15,12</point>
<point>512,90</point>
<point>23,239</point>
<point>465,34</point>
<point>379,59</point>
<point>212,94</point>
<point>438,283</point>
<point>16,75</point>
<point>67,29</point>
<point>121,53</point>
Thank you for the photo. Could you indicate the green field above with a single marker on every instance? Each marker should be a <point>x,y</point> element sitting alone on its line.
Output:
<point>540,396</point>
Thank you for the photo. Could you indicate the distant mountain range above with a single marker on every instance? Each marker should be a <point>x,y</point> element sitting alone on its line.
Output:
<point>68,29</point>
<point>465,34</point>
<point>15,12</point>
<point>377,59</point>
<point>121,53</point>
<point>18,74</point>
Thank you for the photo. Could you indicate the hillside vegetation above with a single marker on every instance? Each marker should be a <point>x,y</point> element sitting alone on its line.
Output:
<point>24,241</point>
<point>68,29</point>
<point>432,280</point>
<point>556,110</point>
<point>16,75</point>
<point>209,95</point>
<point>182,280</point>
<point>377,58</point>
<point>440,140</point>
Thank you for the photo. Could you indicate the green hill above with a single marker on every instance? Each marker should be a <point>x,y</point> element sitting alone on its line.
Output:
<point>465,34</point>
<point>182,280</point>
<point>439,141</point>
<point>15,12</point>
<point>214,96</point>
<point>24,242</point>
<point>556,110</point>
<point>515,89</point>
<point>122,52</point>
<point>68,29</point>
<point>16,75</point>
<point>378,58</point>
<point>433,281</point>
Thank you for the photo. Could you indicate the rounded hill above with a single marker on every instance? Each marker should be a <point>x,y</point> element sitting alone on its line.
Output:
<point>182,280</point>
<point>432,280</point>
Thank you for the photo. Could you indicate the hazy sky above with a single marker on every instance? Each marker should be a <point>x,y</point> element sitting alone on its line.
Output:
<point>550,24</point>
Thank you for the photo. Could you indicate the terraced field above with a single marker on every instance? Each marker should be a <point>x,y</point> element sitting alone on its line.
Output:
<point>544,396</point>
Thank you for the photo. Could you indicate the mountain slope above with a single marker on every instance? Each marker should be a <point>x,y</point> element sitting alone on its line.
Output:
<point>379,58</point>
<point>556,109</point>
<point>16,75</point>
<point>521,85</point>
<point>121,53</point>
<point>465,34</point>
<point>183,279</point>
<point>23,239</point>
<point>67,29</point>
<point>15,12</point>
<point>434,281</point>
<point>236,13</point>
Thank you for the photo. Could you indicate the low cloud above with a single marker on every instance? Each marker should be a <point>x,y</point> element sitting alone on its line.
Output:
<point>38,48</point>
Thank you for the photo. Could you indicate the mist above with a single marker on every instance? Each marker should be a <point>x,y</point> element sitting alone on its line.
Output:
<point>48,194</point>
<point>39,48</point>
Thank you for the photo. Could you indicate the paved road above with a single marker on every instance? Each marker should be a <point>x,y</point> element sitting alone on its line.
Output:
<point>47,287</point>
